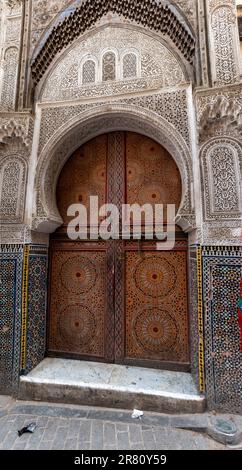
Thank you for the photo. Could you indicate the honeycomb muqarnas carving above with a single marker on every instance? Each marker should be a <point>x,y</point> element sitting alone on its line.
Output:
<point>147,13</point>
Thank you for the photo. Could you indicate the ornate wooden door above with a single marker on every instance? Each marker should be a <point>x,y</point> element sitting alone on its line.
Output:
<point>81,314</point>
<point>79,319</point>
<point>119,301</point>
<point>156,328</point>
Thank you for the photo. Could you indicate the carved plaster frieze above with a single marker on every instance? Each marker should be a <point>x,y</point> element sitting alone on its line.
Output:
<point>213,4</point>
<point>14,158</point>
<point>154,16</point>
<point>188,7</point>
<point>14,4</point>
<point>221,168</point>
<point>224,42</point>
<point>45,11</point>
<point>221,116</point>
<point>16,126</point>
<point>218,112</point>
<point>222,234</point>
<point>157,66</point>
<point>171,105</point>
<point>209,97</point>
<point>20,234</point>
<point>95,121</point>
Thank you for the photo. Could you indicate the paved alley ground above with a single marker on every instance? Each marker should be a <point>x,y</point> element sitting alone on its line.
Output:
<point>83,428</point>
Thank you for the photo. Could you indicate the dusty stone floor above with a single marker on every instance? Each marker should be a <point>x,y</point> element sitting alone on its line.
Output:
<point>84,428</point>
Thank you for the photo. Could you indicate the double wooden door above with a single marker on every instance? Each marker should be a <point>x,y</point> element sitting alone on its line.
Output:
<point>119,301</point>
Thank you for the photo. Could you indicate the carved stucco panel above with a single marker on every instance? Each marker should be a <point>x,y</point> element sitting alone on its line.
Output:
<point>157,64</point>
<point>15,139</point>
<point>86,125</point>
<point>213,4</point>
<point>13,181</point>
<point>171,106</point>
<point>9,79</point>
<point>227,233</point>
<point>208,98</point>
<point>189,9</point>
<point>45,11</point>
<point>219,113</point>
<point>224,42</point>
<point>14,7</point>
<point>10,35</point>
<point>18,125</point>
<point>13,29</point>
<point>220,160</point>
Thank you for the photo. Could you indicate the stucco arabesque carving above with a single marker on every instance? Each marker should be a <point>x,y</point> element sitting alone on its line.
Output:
<point>221,160</point>
<point>219,122</point>
<point>224,42</point>
<point>170,104</point>
<point>14,4</point>
<point>227,233</point>
<point>10,38</point>
<point>14,233</point>
<point>13,179</point>
<point>16,126</point>
<point>222,116</point>
<point>44,11</point>
<point>188,7</point>
<point>16,133</point>
<point>151,15</point>
<point>219,112</point>
<point>162,68</point>
<point>86,124</point>
<point>213,4</point>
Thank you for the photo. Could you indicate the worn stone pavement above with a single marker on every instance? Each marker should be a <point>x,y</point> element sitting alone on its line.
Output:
<point>70,427</point>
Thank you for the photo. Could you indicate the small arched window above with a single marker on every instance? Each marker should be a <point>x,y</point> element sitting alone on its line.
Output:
<point>130,65</point>
<point>88,72</point>
<point>109,66</point>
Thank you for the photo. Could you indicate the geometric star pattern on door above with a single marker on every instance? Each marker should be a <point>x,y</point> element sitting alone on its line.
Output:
<point>119,301</point>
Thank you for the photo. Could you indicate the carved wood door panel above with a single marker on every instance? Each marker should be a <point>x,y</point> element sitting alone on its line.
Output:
<point>118,301</point>
<point>79,322</point>
<point>156,322</point>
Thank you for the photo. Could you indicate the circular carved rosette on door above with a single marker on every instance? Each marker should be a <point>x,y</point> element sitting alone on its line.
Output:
<point>155,330</point>
<point>78,275</point>
<point>155,277</point>
<point>77,304</point>
<point>156,307</point>
<point>76,327</point>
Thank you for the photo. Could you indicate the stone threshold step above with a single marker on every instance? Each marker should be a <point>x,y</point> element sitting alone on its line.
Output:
<point>111,385</point>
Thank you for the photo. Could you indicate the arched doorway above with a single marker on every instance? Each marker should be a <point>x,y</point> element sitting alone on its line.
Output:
<point>119,301</point>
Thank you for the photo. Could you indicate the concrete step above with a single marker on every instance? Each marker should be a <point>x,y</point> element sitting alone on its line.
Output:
<point>111,385</point>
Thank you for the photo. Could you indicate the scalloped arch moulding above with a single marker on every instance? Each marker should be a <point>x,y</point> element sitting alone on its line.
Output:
<point>89,124</point>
